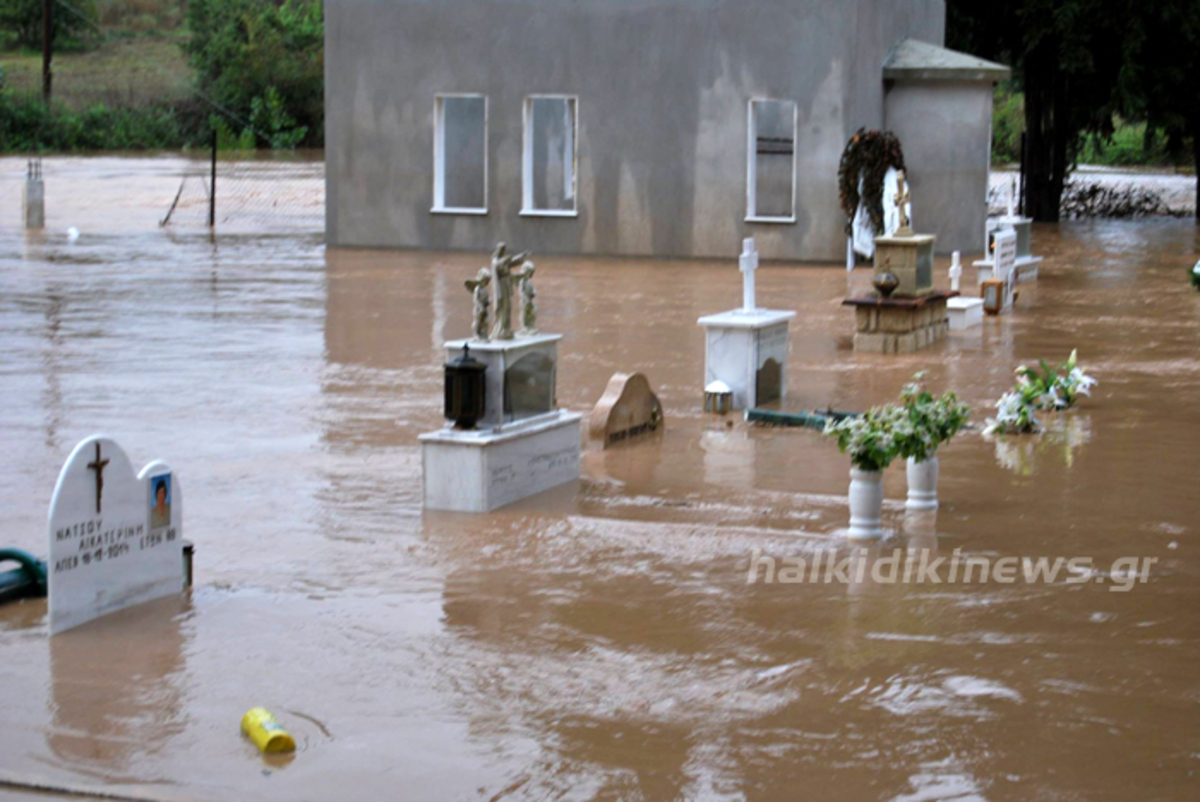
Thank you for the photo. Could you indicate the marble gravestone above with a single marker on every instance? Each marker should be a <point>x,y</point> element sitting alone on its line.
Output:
<point>962,313</point>
<point>629,408</point>
<point>1026,264</point>
<point>115,536</point>
<point>747,348</point>
<point>1005,264</point>
<point>524,443</point>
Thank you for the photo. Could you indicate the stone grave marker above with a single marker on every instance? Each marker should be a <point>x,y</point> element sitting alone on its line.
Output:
<point>628,408</point>
<point>116,538</point>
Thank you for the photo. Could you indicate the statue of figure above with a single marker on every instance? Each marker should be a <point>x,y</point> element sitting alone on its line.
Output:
<point>502,276</point>
<point>902,199</point>
<point>528,304</point>
<point>483,299</point>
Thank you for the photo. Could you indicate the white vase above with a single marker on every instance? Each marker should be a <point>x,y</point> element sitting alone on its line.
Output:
<point>922,484</point>
<point>866,504</point>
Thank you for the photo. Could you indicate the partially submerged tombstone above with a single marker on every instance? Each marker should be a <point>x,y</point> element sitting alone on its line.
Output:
<point>906,313</point>
<point>518,442</point>
<point>115,537</point>
<point>747,348</point>
<point>627,409</point>
<point>1026,264</point>
<point>962,313</point>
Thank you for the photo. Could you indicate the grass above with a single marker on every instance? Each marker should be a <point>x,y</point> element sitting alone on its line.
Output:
<point>134,71</point>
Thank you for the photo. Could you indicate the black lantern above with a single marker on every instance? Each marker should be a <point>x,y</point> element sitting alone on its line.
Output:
<point>466,398</point>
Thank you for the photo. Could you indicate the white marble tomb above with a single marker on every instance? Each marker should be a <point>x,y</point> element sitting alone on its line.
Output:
<point>523,445</point>
<point>747,348</point>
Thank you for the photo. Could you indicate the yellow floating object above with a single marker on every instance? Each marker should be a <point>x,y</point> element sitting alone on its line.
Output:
<point>266,732</point>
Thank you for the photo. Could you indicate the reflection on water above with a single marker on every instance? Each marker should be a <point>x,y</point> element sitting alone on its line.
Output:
<point>600,639</point>
<point>116,688</point>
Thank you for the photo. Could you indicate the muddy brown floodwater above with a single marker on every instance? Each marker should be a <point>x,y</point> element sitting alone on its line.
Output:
<point>600,640</point>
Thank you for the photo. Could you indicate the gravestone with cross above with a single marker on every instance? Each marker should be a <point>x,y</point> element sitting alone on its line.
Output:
<point>115,536</point>
<point>747,348</point>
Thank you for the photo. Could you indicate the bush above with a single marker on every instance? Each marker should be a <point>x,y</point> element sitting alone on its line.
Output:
<point>26,125</point>
<point>264,62</point>
<point>1129,146</point>
<point>1008,123</point>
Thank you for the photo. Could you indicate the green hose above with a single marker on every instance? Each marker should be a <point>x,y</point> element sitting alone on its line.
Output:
<point>29,579</point>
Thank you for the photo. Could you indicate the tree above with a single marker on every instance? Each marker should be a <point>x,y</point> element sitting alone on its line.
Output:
<point>24,18</point>
<point>269,51</point>
<point>1166,75</point>
<point>1073,59</point>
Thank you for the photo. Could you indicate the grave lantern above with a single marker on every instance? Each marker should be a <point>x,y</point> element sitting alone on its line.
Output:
<point>992,292</point>
<point>466,399</point>
<point>718,398</point>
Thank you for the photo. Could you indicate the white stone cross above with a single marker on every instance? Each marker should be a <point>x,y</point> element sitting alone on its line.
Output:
<point>955,270</point>
<point>748,263</point>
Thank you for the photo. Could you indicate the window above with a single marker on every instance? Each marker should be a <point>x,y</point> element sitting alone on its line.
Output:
<point>771,162</point>
<point>548,166</point>
<point>460,154</point>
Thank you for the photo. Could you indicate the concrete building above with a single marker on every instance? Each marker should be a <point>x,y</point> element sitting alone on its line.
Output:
<point>641,127</point>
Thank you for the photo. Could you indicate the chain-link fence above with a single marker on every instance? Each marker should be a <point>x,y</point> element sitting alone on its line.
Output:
<point>124,193</point>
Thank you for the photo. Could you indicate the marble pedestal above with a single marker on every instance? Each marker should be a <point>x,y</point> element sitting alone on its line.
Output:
<point>899,325</point>
<point>33,203</point>
<point>483,469</point>
<point>964,313</point>
<point>910,259</point>
<point>522,445</point>
<point>521,378</point>
<point>748,350</point>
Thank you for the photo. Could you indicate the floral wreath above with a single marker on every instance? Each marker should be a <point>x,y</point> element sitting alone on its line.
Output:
<point>869,155</point>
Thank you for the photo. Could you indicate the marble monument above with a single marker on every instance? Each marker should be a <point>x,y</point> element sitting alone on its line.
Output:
<point>116,538</point>
<point>523,443</point>
<point>747,348</point>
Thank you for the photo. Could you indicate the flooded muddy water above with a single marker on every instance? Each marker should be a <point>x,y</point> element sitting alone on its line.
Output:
<point>601,640</point>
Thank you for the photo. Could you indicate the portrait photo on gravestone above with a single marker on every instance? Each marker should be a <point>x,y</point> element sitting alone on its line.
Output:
<point>160,501</point>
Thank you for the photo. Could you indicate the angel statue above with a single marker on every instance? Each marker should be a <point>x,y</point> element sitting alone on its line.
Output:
<point>502,276</point>
<point>483,299</point>
<point>528,304</point>
<point>902,199</point>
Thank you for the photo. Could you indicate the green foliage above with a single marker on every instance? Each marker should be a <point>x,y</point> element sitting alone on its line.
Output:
<point>1045,388</point>
<point>73,26</point>
<point>1194,275</point>
<point>869,439</point>
<point>1072,60</point>
<point>1130,145</point>
<point>26,125</point>
<point>263,63</point>
<point>227,139</point>
<point>931,421</point>
<point>1008,123</point>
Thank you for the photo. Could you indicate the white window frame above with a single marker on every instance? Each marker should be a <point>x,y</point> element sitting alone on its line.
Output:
<point>527,208</point>
<point>752,215</point>
<point>439,156</point>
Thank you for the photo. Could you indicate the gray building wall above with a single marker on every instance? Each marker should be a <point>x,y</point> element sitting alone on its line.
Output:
<point>662,87</point>
<point>945,128</point>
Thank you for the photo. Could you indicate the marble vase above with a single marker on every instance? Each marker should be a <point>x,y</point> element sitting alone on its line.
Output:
<point>866,505</point>
<point>922,484</point>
